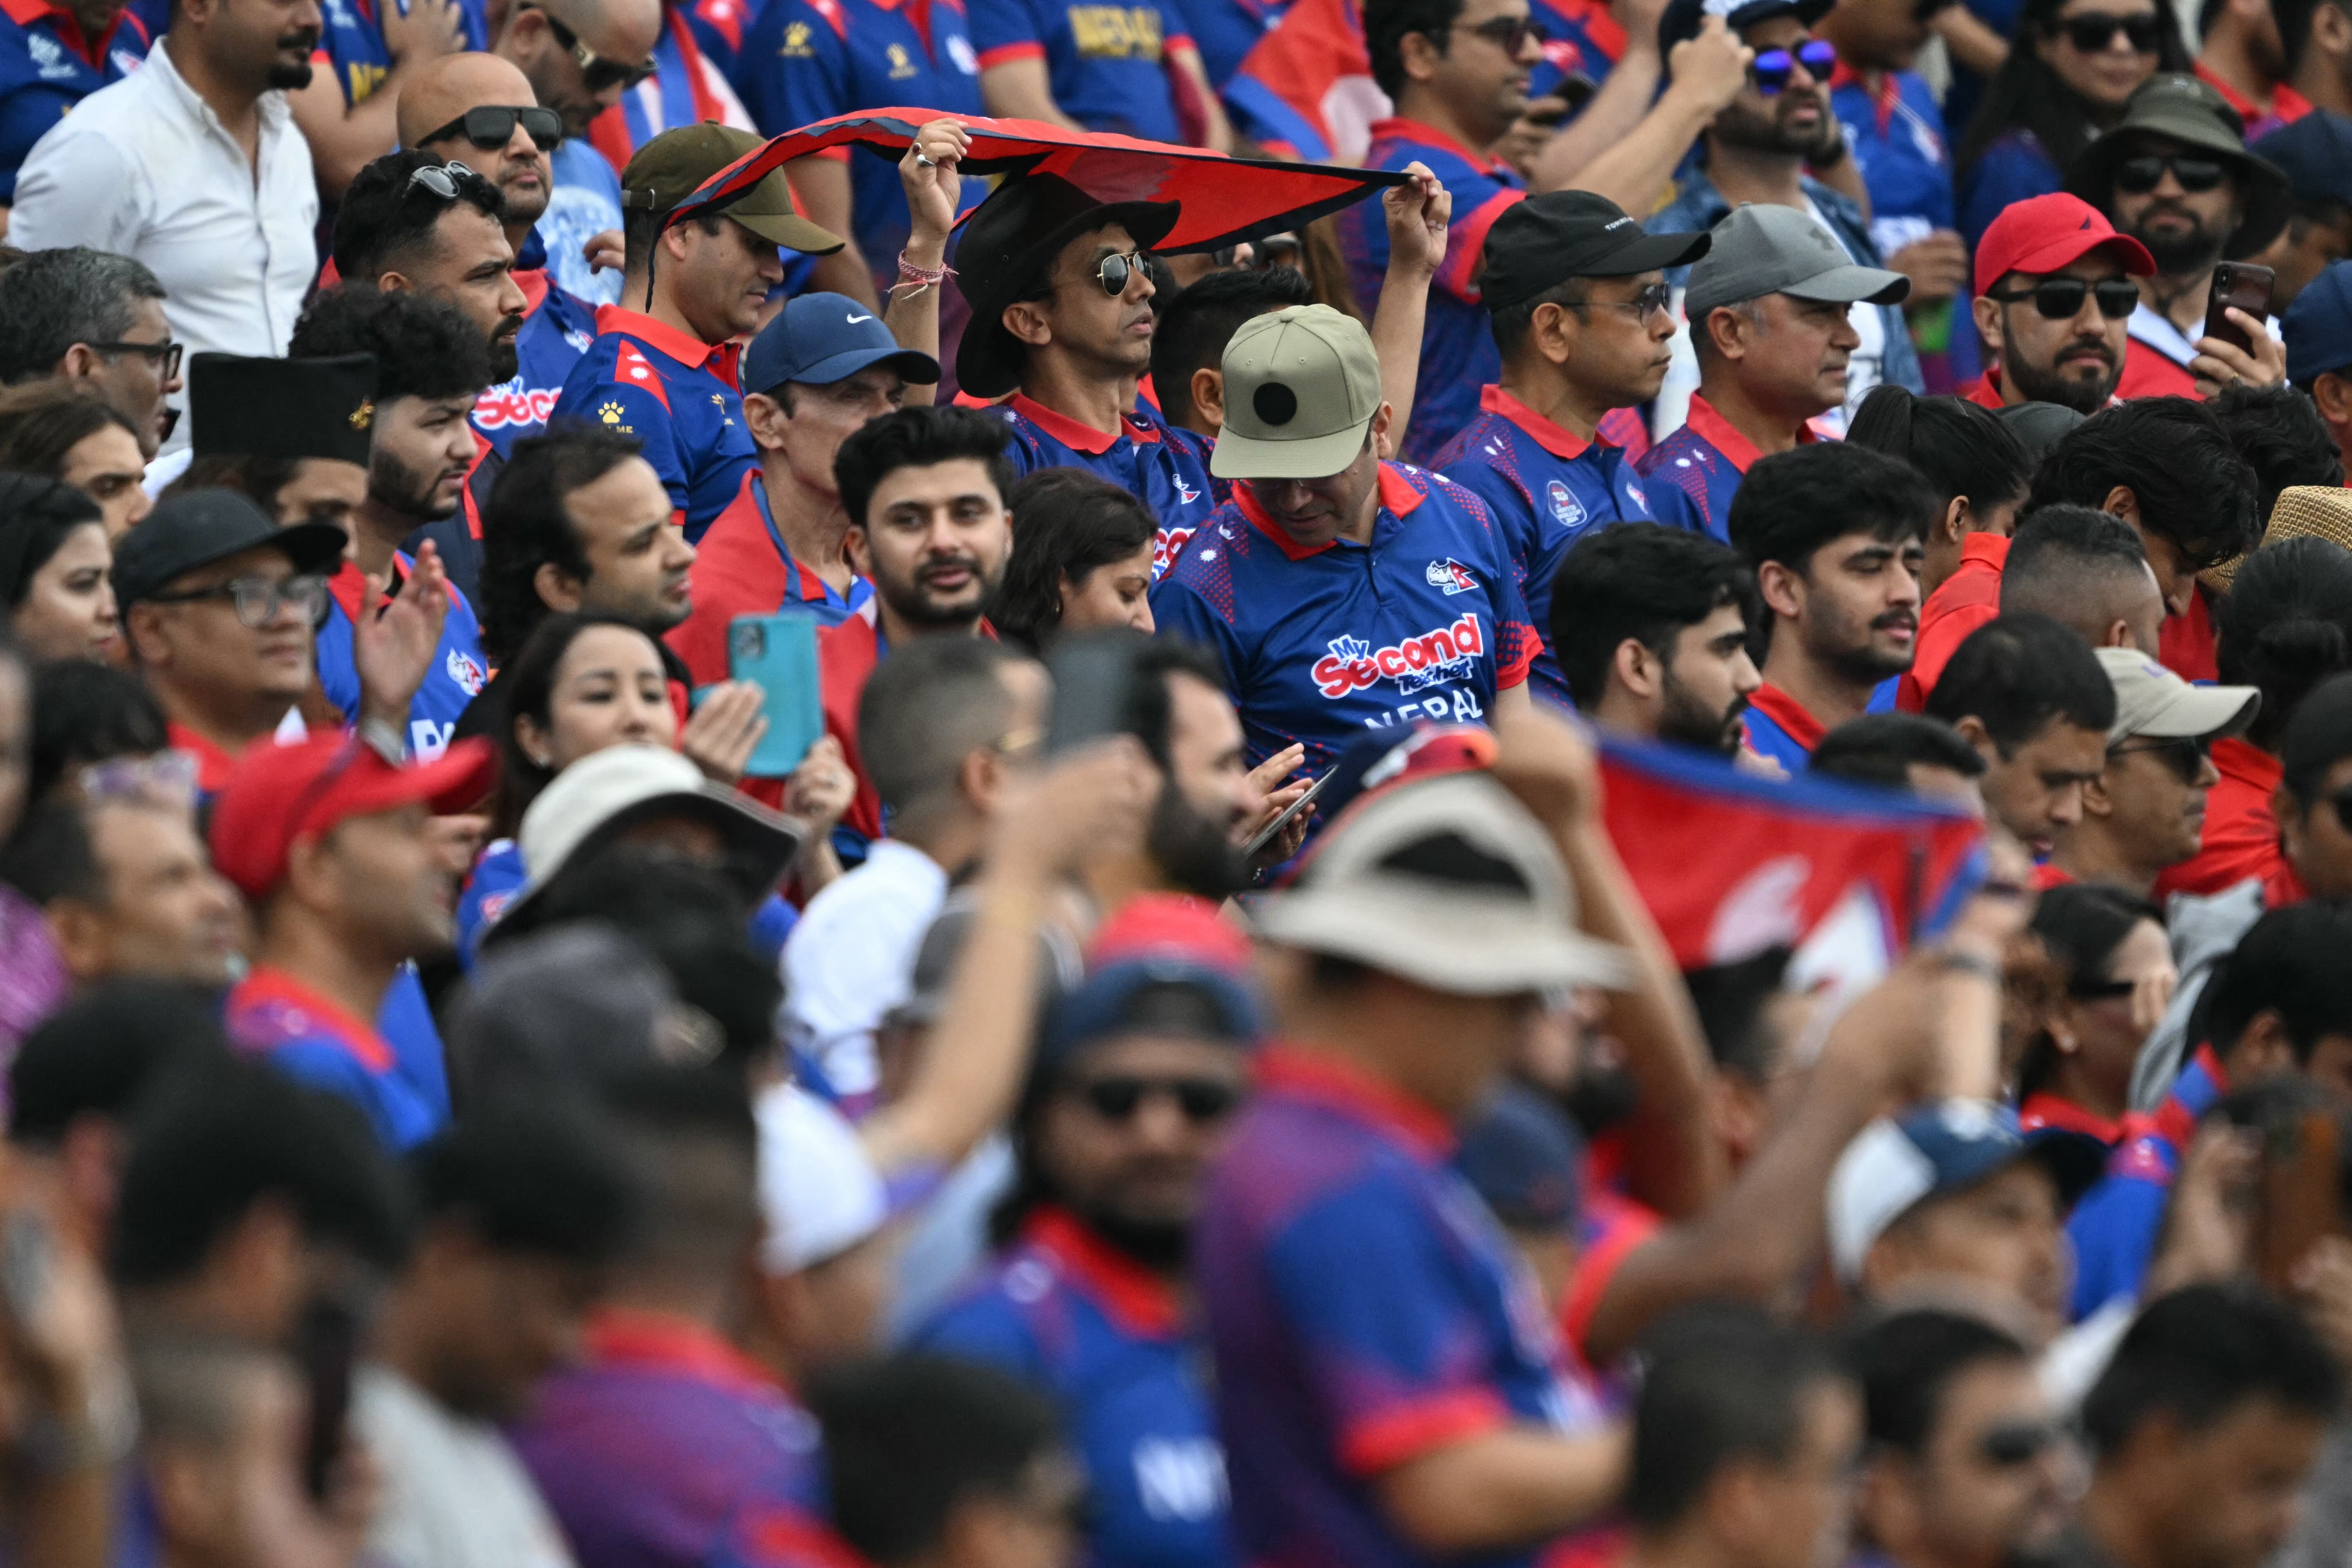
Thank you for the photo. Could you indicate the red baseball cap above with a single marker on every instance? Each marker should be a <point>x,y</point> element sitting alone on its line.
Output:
<point>281,794</point>
<point>2049,234</point>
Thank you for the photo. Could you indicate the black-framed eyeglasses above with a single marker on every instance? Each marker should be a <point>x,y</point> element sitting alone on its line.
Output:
<point>2091,31</point>
<point>2061,298</point>
<point>492,127</point>
<point>258,599</point>
<point>445,182</point>
<point>2185,757</point>
<point>1117,268</point>
<point>595,70</point>
<point>1773,69</point>
<point>1201,1100</point>
<point>2015,1443</point>
<point>1651,300</point>
<point>165,355</point>
<point>2138,176</point>
<point>1509,34</point>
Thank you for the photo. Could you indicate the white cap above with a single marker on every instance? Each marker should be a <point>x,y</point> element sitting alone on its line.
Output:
<point>819,1190</point>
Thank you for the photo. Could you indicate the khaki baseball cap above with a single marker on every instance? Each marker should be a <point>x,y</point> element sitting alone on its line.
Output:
<point>1301,388</point>
<point>673,165</point>
<point>2151,700</point>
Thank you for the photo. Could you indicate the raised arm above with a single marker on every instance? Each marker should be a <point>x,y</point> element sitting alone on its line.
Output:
<point>933,187</point>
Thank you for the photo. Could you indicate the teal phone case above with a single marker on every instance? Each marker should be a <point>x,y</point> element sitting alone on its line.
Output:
<point>778,654</point>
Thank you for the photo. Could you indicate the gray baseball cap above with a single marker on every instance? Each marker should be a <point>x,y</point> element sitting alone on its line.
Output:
<point>1765,250</point>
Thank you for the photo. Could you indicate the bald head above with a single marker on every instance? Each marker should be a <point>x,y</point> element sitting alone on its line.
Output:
<point>443,93</point>
<point>623,31</point>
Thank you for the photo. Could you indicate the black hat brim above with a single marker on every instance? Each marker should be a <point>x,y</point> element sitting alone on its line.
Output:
<point>989,359</point>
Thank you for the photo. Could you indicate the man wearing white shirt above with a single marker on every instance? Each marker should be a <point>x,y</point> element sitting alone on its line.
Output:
<point>193,166</point>
<point>942,722</point>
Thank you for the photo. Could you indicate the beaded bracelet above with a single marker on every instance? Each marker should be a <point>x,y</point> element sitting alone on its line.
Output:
<point>919,277</point>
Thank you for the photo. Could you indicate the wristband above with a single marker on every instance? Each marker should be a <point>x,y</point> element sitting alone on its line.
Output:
<point>1974,964</point>
<point>920,278</point>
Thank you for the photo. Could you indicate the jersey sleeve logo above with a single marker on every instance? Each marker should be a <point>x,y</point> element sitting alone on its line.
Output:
<point>465,672</point>
<point>1450,576</point>
<point>1566,510</point>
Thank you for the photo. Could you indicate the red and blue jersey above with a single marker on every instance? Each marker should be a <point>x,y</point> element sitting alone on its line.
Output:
<point>1457,341</point>
<point>1062,1311</point>
<point>800,61</point>
<point>1163,466</point>
<point>667,1447</point>
<point>1545,488</point>
<point>272,1016</point>
<point>457,676</point>
<point>2114,1227</point>
<point>1692,475</point>
<point>1107,64</point>
<point>685,89</point>
<point>1581,39</point>
<point>742,567</point>
<point>1896,133</point>
<point>1364,1309</point>
<point>1780,729</point>
<point>1226,31</point>
<point>557,328</point>
<point>48,64</point>
<point>1424,624</point>
<point>352,47</point>
<point>677,395</point>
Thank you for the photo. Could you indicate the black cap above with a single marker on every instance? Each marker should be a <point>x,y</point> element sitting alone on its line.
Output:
<point>1544,241</point>
<point>2314,153</point>
<point>196,528</point>
<point>242,408</point>
<point>1682,19</point>
<point>1007,242</point>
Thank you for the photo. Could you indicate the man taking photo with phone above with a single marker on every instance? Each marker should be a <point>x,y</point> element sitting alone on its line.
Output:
<point>2175,175</point>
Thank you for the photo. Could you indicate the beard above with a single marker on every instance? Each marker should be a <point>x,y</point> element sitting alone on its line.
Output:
<point>506,358</point>
<point>284,78</point>
<point>1162,1245</point>
<point>2041,386</point>
<point>2178,253</point>
<point>1193,852</point>
<point>396,487</point>
<point>1686,720</point>
<point>1854,654</point>
<point>1767,133</point>
<point>911,600</point>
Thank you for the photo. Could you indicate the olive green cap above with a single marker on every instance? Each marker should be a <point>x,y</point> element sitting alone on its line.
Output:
<point>674,164</point>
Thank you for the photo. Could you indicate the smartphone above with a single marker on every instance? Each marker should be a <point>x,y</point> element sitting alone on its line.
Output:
<point>1266,835</point>
<point>328,1341</point>
<point>1094,686</point>
<point>2245,286</point>
<point>2302,1194</point>
<point>778,654</point>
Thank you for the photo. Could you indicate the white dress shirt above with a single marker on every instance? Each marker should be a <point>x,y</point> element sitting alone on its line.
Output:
<point>144,168</point>
<point>852,959</point>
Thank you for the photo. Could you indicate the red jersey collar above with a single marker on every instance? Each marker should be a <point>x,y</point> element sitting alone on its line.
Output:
<point>1327,1081</point>
<point>1985,390</point>
<point>1545,433</point>
<point>213,764</point>
<point>1138,1301</point>
<point>2287,104</point>
<point>1725,437</point>
<point>1398,497</point>
<point>533,282</point>
<point>657,335</point>
<point>662,1341</point>
<point>2046,1109</point>
<point>1077,438</point>
<point>265,984</point>
<point>1882,97</point>
<point>1782,710</point>
<point>1405,130</point>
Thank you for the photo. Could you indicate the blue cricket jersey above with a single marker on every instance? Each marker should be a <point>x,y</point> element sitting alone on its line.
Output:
<point>1163,466</point>
<point>557,328</point>
<point>1546,489</point>
<point>677,395</point>
<point>1064,1312</point>
<point>276,1017</point>
<point>1107,64</point>
<point>1692,475</point>
<point>352,47</point>
<point>459,669</point>
<point>2114,1227</point>
<point>1458,341</point>
<point>1425,623</point>
<point>1896,136</point>
<point>1780,729</point>
<point>47,65</point>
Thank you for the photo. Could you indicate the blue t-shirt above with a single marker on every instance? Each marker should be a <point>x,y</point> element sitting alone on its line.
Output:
<point>807,60</point>
<point>1546,490</point>
<point>1423,624</point>
<point>47,67</point>
<point>2015,168</point>
<point>557,329</point>
<point>678,397</point>
<point>2115,1226</point>
<point>457,676</point>
<point>1063,1311</point>
<point>1457,341</point>
<point>585,202</point>
<point>1107,65</point>
<point>1224,31</point>
<point>276,1017</point>
<point>1365,1310</point>
<point>1163,466</point>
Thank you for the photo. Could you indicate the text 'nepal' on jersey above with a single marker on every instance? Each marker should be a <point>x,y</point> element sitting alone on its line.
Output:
<point>1457,341</point>
<point>800,61</point>
<point>677,395</point>
<point>1546,489</point>
<point>557,328</point>
<point>1106,65</point>
<point>275,1017</point>
<point>1365,1310</point>
<point>1163,466</point>
<point>743,567</point>
<point>352,47</point>
<point>1062,1311</point>
<point>2114,1227</point>
<point>458,672</point>
<point>48,64</point>
<point>1424,624</point>
<point>1692,475</point>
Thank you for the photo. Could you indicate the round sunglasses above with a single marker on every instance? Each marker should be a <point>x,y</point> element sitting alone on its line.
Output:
<point>2061,298</point>
<point>1117,268</point>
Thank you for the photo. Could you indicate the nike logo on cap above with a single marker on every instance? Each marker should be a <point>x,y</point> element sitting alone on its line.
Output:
<point>854,319</point>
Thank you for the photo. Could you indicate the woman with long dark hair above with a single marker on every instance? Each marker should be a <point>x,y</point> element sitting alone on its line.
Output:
<point>1081,561</point>
<point>2072,65</point>
<point>2116,961</point>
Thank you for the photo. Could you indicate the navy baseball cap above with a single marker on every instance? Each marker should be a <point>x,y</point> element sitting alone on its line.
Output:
<point>2319,326</point>
<point>2314,153</point>
<point>1682,19</point>
<point>1525,1159</point>
<point>819,339</point>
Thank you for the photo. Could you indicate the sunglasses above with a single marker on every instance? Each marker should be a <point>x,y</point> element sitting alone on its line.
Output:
<point>1201,1100</point>
<point>258,599</point>
<point>2061,298</point>
<point>492,127</point>
<point>2186,758</point>
<point>1510,34</point>
<point>446,182</point>
<point>598,72</point>
<point>1773,69</point>
<point>2015,1443</point>
<point>2138,176</point>
<point>1657,297</point>
<point>2091,31</point>
<point>1117,268</point>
